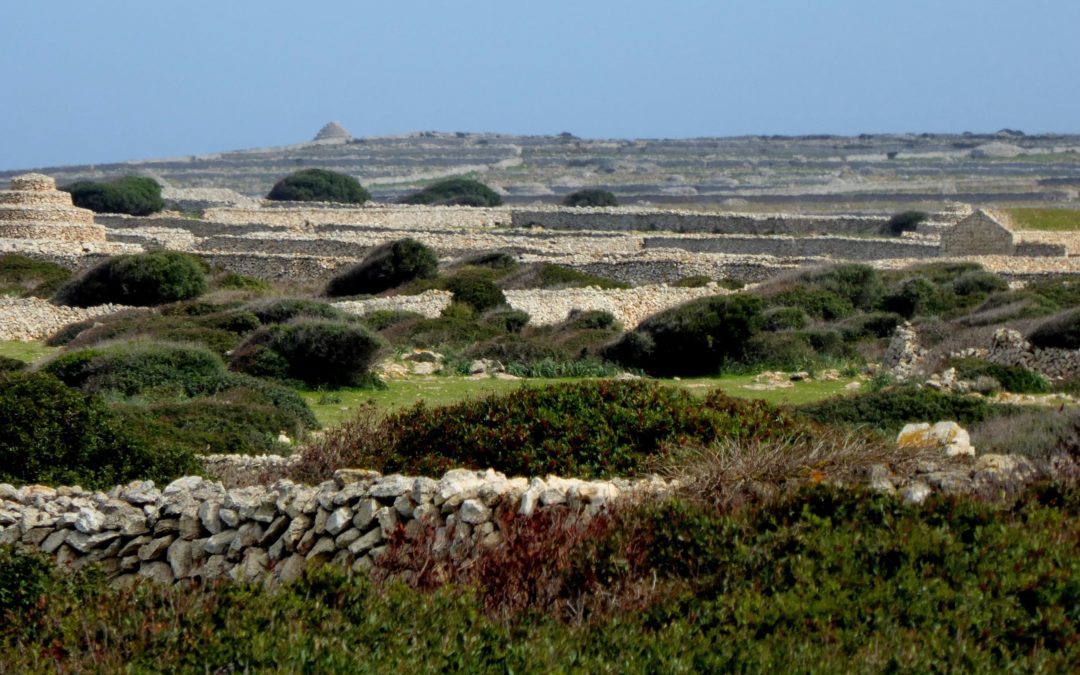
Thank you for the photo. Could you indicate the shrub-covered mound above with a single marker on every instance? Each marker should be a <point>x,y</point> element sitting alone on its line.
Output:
<point>890,409</point>
<point>311,351</point>
<point>51,433</point>
<point>25,277</point>
<point>319,185</point>
<point>587,429</point>
<point>1061,331</point>
<point>131,195</point>
<point>145,279</point>
<point>455,192</point>
<point>590,197</point>
<point>696,338</point>
<point>385,267</point>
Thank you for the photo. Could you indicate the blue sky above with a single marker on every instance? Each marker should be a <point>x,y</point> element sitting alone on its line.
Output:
<point>112,80</point>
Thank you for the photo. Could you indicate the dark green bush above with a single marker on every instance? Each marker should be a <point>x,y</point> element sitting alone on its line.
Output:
<point>697,338</point>
<point>51,433</point>
<point>456,328</point>
<point>220,332</point>
<point>385,318</point>
<point>873,325</point>
<point>239,282</point>
<point>8,364</point>
<point>131,195</point>
<point>890,409</point>
<point>283,310</point>
<point>515,348</point>
<point>550,275</point>
<point>319,185</point>
<point>1061,331</point>
<point>1015,379</point>
<point>455,192</point>
<point>507,319</point>
<point>942,273</point>
<point>591,319</point>
<point>27,277</point>
<point>912,296</point>
<point>496,260</point>
<point>860,285</point>
<point>151,278</point>
<point>905,221</point>
<point>694,281</point>
<point>317,353</point>
<point>1063,290</point>
<point>385,267</point>
<point>978,282</point>
<point>590,197</point>
<point>587,429</point>
<point>781,351</point>
<point>480,294</point>
<point>784,318</point>
<point>817,303</point>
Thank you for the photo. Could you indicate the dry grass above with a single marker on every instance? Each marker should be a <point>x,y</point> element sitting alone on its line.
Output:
<point>735,473</point>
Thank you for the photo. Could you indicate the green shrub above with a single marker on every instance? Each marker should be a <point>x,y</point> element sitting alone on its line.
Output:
<point>145,279</point>
<point>507,319</point>
<point>317,353</point>
<point>1061,290</point>
<point>385,267</point>
<point>385,318</point>
<point>496,260</point>
<point>913,296</point>
<point>978,282</point>
<point>873,325</point>
<point>8,364</point>
<point>890,409</point>
<point>152,370</point>
<point>781,351</point>
<point>1015,379</point>
<point>319,185</point>
<point>515,348</point>
<point>587,429</point>
<point>860,285</point>
<point>480,294</point>
<point>905,221</point>
<point>590,197</point>
<point>455,192</point>
<point>694,281</point>
<point>284,310</point>
<point>942,273</point>
<point>131,195</point>
<point>239,282</point>
<point>816,302</point>
<point>697,338</point>
<point>550,275</point>
<point>220,332</point>
<point>1061,331</point>
<point>456,328</point>
<point>50,433</point>
<point>784,318</point>
<point>27,277</point>
<point>591,319</point>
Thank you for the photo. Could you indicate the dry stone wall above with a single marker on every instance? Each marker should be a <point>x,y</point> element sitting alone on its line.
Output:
<point>28,319</point>
<point>844,248</point>
<point>32,208</point>
<point>195,528</point>
<point>646,220</point>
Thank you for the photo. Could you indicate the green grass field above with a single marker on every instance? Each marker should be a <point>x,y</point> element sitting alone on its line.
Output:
<point>25,351</point>
<point>1047,220</point>
<point>333,407</point>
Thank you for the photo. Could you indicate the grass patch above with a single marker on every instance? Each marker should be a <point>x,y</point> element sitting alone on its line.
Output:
<point>29,352</point>
<point>1046,220</point>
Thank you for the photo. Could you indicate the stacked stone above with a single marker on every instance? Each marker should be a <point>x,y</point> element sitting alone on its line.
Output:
<point>34,209</point>
<point>197,529</point>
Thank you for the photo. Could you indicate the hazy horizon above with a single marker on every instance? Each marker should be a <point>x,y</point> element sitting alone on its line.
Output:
<point>104,83</point>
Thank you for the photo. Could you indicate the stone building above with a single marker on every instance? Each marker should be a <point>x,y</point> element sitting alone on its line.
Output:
<point>32,208</point>
<point>981,233</point>
<point>333,132</point>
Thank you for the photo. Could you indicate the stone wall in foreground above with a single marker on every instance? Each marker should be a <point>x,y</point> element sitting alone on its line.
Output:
<point>197,529</point>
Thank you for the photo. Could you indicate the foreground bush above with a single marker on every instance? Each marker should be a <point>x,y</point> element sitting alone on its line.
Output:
<point>319,185</point>
<point>590,197</point>
<point>478,293</point>
<point>50,433</point>
<point>825,580</point>
<point>385,267</point>
<point>311,351</point>
<point>145,279</point>
<point>697,338</point>
<point>588,429</point>
<point>455,192</point>
<point>131,195</point>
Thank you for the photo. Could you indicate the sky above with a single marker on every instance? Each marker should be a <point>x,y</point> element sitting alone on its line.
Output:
<point>112,80</point>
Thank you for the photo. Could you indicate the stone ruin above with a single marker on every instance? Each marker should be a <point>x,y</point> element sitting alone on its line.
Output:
<point>333,132</point>
<point>32,208</point>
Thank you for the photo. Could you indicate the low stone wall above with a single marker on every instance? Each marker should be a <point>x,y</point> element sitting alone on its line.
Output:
<point>304,269</point>
<point>429,304</point>
<point>28,319</point>
<point>1009,348</point>
<point>646,220</point>
<point>197,529</point>
<point>842,248</point>
<point>391,216</point>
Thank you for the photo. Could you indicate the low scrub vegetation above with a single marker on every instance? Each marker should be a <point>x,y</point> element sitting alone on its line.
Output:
<point>386,267</point>
<point>145,279</point>
<point>455,192</point>
<point>319,185</point>
<point>133,195</point>
<point>315,352</point>
<point>23,277</point>
<point>590,197</point>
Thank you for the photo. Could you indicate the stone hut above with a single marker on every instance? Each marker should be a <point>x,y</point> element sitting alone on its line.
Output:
<point>34,209</point>
<point>981,233</point>
<point>333,132</point>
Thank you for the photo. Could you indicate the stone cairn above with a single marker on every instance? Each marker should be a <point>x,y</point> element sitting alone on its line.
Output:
<point>34,209</point>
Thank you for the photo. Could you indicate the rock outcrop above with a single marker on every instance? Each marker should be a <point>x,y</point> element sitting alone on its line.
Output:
<point>32,208</point>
